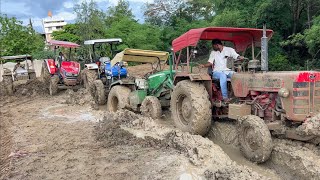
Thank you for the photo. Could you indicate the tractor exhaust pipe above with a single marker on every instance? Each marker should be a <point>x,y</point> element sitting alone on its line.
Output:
<point>264,49</point>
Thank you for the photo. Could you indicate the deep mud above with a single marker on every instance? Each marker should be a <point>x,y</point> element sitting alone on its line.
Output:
<point>25,88</point>
<point>64,137</point>
<point>290,159</point>
<point>207,160</point>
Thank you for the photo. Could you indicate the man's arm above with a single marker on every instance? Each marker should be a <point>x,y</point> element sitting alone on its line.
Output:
<point>208,64</point>
<point>235,55</point>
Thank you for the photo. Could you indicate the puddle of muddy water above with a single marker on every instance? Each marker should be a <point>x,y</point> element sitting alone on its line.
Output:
<point>237,156</point>
<point>68,113</point>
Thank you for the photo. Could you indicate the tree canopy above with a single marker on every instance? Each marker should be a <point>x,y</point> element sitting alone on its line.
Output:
<point>17,39</point>
<point>294,46</point>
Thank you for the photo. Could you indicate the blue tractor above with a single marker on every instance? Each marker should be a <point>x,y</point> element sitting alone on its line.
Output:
<point>100,67</point>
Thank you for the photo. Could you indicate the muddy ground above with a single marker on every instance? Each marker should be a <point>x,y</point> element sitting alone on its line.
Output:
<point>65,137</point>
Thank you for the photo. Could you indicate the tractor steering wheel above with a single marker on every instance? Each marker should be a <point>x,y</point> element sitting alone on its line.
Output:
<point>240,64</point>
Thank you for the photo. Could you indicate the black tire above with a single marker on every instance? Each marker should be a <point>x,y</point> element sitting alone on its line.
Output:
<point>8,84</point>
<point>255,139</point>
<point>89,76</point>
<point>53,85</point>
<point>45,74</point>
<point>99,92</point>
<point>191,108</point>
<point>118,98</point>
<point>32,75</point>
<point>151,107</point>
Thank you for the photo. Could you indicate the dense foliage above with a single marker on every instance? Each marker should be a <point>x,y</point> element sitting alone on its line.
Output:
<point>295,44</point>
<point>17,39</point>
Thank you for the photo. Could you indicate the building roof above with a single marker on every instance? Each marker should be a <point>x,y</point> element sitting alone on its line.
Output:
<point>94,41</point>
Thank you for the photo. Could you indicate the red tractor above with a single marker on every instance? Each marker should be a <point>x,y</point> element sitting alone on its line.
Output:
<point>263,102</point>
<point>61,72</point>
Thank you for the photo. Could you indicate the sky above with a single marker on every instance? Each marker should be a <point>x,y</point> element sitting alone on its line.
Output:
<point>38,9</point>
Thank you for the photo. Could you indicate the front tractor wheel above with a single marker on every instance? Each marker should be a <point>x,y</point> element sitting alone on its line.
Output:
<point>151,107</point>
<point>53,86</point>
<point>118,98</point>
<point>45,74</point>
<point>99,92</point>
<point>255,139</point>
<point>89,76</point>
<point>191,108</point>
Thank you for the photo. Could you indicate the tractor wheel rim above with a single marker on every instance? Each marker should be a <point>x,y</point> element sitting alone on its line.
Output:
<point>183,109</point>
<point>186,108</point>
<point>251,139</point>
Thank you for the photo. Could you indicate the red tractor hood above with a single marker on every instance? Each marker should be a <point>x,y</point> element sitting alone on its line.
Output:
<point>70,67</point>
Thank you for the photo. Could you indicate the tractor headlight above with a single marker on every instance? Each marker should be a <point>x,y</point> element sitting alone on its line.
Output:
<point>68,74</point>
<point>283,92</point>
<point>108,72</point>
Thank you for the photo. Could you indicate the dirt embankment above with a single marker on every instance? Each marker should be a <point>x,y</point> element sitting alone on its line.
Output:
<point>206,159</point>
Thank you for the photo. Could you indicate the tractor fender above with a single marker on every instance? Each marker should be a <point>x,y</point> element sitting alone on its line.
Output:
<point>129,83</point>
<point>91,66</point>
<point>191,77</point>
<point>50,65</point>
<point>204,78</point>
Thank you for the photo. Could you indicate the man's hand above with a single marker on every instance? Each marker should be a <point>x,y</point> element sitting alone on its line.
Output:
<point>241,58</point>
<point>201,66</point>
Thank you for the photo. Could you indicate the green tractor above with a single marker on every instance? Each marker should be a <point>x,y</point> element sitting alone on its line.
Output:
<point>147,94</point>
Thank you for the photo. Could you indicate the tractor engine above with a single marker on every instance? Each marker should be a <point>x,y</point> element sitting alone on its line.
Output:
<point>263,104</point>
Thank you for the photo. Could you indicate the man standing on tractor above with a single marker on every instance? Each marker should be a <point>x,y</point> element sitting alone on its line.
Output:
<point>218,62</point>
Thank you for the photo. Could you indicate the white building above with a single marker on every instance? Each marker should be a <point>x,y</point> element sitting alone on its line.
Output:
<point>51,24</point>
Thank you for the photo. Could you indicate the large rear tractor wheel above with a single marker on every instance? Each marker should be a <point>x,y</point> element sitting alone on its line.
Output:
<point>8,84</point>
<point>118,98</point>
<point>255,139</point>
<point>99,92</point>
<point>89,76</point>
<point>45,74</point>
<point>53,85</point>
<point>151,107</point>
<point>191,108</point>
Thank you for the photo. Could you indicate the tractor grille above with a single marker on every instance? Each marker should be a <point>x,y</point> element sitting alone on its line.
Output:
<point>306,98</point>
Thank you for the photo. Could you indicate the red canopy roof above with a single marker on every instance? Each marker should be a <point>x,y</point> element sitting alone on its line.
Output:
<point>241,37</point>
<point>63,44</point>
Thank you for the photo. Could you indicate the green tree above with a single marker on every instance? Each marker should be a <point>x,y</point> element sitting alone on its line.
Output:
<point>121,10</point>
<point>18,39</point>
<point>68,33</point>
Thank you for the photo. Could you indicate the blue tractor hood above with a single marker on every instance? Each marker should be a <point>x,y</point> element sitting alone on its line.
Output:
<point>115,70</point>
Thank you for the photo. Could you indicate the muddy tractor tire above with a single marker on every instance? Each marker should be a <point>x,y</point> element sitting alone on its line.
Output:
<point>118,98</point>
<point>53,85</point>
<point>191,108</point>
<point>45,74</point>
<point>255,139</point>
<point>8,84</point>
<point>99,92</point>
<point>151,107</point>
<point>89,76</point>
<point>32,75</point>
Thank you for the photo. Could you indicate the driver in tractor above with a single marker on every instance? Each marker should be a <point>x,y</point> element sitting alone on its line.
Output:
<point>218,62</point>
<point>18,65</point>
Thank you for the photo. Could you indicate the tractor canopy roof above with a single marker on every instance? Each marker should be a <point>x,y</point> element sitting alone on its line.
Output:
<point>65,44</point>
<point>242,38</point>
<point>17,57</point>
<point>111,41</point>
<point>139,55</point>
